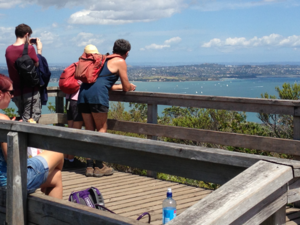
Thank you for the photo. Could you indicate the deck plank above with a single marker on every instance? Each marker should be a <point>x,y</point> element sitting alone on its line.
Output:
<point>130,195</point>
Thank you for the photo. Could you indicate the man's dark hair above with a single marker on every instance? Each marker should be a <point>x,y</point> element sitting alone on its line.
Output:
<point>121,46</point>
<point>22,29</point>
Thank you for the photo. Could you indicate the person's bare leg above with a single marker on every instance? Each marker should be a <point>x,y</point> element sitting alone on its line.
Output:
<point>89,125</point>
<point>100,121</point>
<point>101,126</point>
<point>70,123</point>
<point>55,160</point>
<point>88,121</point>
<point>77,124</point>
<point>53,185</point>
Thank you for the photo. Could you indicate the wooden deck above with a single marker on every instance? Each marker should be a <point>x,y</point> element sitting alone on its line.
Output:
<point>130,195</point>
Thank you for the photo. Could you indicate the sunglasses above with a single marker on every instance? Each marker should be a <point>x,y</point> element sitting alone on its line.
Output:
<point>11,92</point>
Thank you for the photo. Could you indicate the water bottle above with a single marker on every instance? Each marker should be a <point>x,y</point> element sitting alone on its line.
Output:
<point>169,208</point>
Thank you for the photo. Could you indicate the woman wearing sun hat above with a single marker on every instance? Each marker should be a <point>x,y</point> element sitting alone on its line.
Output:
<point>93,99</point>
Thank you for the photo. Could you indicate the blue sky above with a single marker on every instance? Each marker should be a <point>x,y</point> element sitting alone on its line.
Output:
<point>167,32</point>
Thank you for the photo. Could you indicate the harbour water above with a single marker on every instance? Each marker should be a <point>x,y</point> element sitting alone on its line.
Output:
<point>250,88</point>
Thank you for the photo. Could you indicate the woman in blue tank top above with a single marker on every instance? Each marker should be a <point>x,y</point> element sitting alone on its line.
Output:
<point>93,100</point>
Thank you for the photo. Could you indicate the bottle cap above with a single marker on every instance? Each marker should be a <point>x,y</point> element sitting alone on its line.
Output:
<point>169,193</point>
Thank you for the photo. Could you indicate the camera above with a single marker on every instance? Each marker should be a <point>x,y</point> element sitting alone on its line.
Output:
<point>32,41</point>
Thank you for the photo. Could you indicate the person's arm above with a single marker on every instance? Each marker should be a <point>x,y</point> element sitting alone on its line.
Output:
<point>3,144</point>
<point>117,87</point>
<point>4,150</point>
<point>126,86</point>
<point>39,46</point>
<point>32,54</point>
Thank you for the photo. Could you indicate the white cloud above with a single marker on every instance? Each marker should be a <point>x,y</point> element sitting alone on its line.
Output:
<point>216,5</point>
<point>173,40</point>
<point>273,40</point>
<point>155,46</point>
<point>83,39</point>
<point>54,25</point>
<point>167,44</point>
<point>122,12</point>
<point>46,37</point>
<point>110,12</point>
<point>4,4</point>
<point>7,36</point>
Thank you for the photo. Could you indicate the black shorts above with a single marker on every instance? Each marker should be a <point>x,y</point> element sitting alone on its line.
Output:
<point>72,111</point>
<point>92,108</point>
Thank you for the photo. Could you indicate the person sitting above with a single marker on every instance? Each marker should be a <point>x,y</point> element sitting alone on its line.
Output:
<point>93,99</point>
<point>43,170</point>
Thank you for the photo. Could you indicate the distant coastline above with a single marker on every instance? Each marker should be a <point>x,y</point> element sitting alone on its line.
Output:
<point>197,72</point>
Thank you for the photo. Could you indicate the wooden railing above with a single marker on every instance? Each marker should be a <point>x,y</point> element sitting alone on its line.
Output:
<point>256,188</point>
<point>152,129</point>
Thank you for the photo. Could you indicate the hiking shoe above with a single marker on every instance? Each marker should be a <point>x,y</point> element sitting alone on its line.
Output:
<point>89,171</point>
<point>104,171</point>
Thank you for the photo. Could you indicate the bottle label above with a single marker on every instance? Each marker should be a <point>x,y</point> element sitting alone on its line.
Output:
<point>168,214</point>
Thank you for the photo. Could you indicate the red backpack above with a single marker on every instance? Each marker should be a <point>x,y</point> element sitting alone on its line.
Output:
<point>90,65</point>
<point>67,82</point>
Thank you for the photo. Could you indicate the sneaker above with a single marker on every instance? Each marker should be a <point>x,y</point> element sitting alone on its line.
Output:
<point>89,171</point>
<point>104,171</point>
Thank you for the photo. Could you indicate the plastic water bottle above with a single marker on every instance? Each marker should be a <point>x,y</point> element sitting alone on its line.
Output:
<point>169,208</point>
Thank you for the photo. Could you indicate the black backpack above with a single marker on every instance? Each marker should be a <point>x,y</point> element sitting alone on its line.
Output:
<point>26,69</point>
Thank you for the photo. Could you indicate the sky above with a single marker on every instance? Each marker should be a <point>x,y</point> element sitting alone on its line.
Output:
<point>171,32</point>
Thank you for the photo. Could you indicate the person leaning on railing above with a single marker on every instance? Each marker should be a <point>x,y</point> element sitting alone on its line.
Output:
<point>93,99</point>
<point>43,170</point>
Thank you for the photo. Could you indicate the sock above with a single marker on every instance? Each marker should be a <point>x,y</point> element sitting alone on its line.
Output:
<point>99,164</point>
<point>89,163</point>
<point>71,160</point>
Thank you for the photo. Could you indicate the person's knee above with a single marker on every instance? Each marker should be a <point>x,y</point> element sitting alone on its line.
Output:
<point>57,178</point>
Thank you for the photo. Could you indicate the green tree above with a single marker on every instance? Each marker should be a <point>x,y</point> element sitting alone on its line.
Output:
<point>281,125</point>
<point>10,112</point>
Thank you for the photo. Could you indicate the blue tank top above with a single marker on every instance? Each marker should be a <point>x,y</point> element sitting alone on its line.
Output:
<point>98,92</point>
<point>3,169</point>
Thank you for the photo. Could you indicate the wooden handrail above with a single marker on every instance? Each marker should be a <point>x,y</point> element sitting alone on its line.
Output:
<point>259,105</point>
<point>249,198</point>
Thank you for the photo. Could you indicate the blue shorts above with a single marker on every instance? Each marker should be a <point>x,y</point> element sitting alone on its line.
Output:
<point>37,173</point>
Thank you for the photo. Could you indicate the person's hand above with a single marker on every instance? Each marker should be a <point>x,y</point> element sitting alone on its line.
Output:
<point>132,87</point>
<point>39,46</point>
<point>14,119</point>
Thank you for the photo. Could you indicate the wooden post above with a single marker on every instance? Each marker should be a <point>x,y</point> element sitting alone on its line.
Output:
<point>16,195</point>
<point>296,130</point>
<point>152,118</point>
<point>277,218</point>
<point>59,107</point>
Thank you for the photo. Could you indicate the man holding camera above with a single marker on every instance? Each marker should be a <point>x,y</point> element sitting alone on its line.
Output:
<point>26,95</point>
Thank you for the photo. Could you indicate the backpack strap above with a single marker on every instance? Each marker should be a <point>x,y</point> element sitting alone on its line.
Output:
<point>113,56</point>
<point>97,196</point>
<point>25,50</point>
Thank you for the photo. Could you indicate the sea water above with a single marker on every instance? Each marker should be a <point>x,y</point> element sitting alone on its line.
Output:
<point>248,88</point>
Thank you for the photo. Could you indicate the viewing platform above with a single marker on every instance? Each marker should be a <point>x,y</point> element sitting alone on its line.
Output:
<point>255,189</point>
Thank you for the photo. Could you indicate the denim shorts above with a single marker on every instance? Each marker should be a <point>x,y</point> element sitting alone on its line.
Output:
<point>37,173</point>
